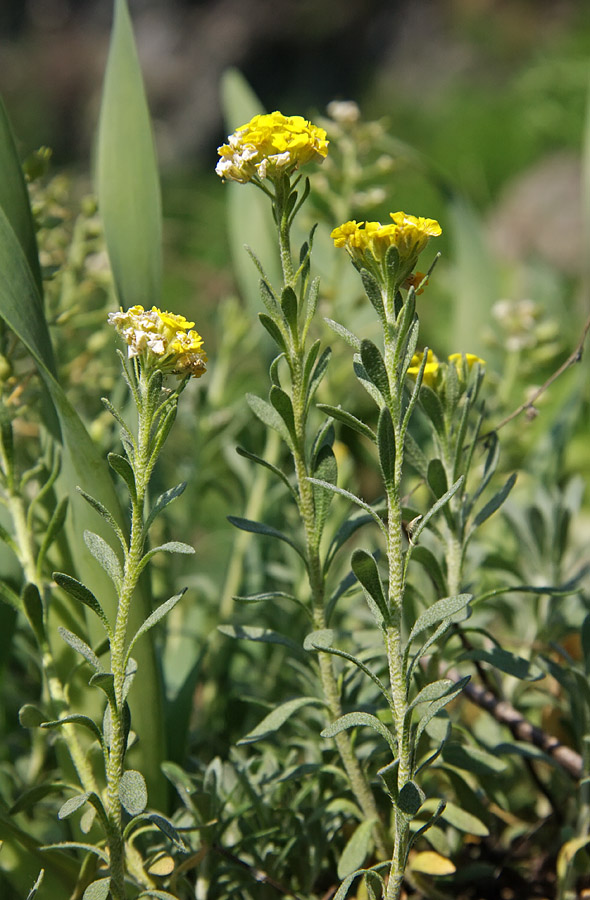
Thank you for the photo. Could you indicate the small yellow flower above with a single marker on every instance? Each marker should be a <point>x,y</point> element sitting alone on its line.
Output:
<point>409,234</point>
<point>431,369</point>
<point>413,233</point>
<point>415,281</point>
<point>161,340</point>
<point>470,360</point>
<point>269,145</point>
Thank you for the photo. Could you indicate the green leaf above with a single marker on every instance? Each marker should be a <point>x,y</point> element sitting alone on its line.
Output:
<point>97,890</point>
<point>433,408</point>
<point>105,555</point>
<point>267,465</point>
<point>133,792</point>
<point>437,705</point>
<point>356,720</point>
<point>462,820</point>
<point>506,662</point>
<point>386,447</point>
<point>414,455</point>
<point>160,611</point>
<point>274,331</point>
<point>168,829</point>
<point>341,415</point>
<point>127,177</point>
<point>268,416</point>
<point>365,568</point>
<point>410,799</point>
<point>72,805</point>
<point>159,895</point>
<point>37,885</point>
<point>106,515</point>
<point>473,759</point>
<point>80,592</point>
<point>30,716</point>
<point>322,641</point>
<point>162,502</point>
<point>168,547</point>
<point>282,403</point>
<point>433,691</point>
<point>442,609</point>
<point>266,530</point>
<point>121,466</point>
<point>375,367</point>
<point>289,307</point>
<point>437,478</point>
<point>344,333</point>
<point>14,198</point>
<point>317,375</point>
<point>373,292</point>
<point>54,527</point>
<point>275,719</point>
<point>79,845</point>
<point>434,509</point>
<point>428,560</point>
<point>357,849</point>
<point>33,607</point>
<point>81,647</point>
<point>258,634</point>
<point>9,596</point>
<point>325,469</point>
<point>76,719</point>
<point>354,499</point>
<point>495,503</point>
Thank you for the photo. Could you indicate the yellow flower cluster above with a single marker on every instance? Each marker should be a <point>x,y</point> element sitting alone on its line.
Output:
<point>433,366</point>
<point>269,145</point>
<point>161,340</point>
<point>410,234</point>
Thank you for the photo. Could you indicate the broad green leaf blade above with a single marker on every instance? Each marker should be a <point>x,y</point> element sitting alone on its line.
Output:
<point>127,176</point>
<point>98,890</point>
<point>14,199</point>
<point>275,719</point>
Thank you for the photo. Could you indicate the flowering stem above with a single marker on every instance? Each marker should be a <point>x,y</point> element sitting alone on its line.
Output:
<point>358,780</point>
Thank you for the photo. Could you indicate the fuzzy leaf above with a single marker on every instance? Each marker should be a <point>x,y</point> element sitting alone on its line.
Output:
<point>442,609</point>
<point>325,469</point>
<point>122,467</point>
<point>256,633</point>
<point>506,662</point>
<point>39,881</point>
<point>410,799</point>
<point>473,759</point>
<point>155,617</point>
<point>267,465</point>
<point>81,647</point>
<point>266,530</point>
<point>80,592</point>
<point>431,863</point>
<point>341,415</point>
<point>33,607</point>
<point>105,555</point>
<point>282,403</point>
<point>373,292</point>
<point>357,849</point>
<point>365,568</point>
<point>76,719</point>
<point>356,720</point>
<point>433,408</point>
<point>168,829</point>
<point>275,719</point>
<point>97,890</point>
<point>31,716</point>
<point>274,331</point>
<point>73,804</point>
<point>386,447</point>
<point>268,416</point>
<point>375,367</point>
<point>426,558</point>
<point>435,508</point>
<point>317,375</point>
<point>495,503</point>
<point>133,792</point>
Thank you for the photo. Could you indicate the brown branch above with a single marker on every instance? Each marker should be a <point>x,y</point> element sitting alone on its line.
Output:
<point>507,715</point>
<point>529,405</point>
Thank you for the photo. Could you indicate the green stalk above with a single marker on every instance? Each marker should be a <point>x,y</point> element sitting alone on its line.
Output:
<point>142,466</point>
<point>357,778</point>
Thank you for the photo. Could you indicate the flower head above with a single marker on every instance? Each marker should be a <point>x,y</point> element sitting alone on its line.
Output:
<point>161,340</point>
<point>368,242</point>
<point>431,369</point>
<point>269,145</point>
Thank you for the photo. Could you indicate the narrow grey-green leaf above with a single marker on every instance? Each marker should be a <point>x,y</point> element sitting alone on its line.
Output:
<point>373,292</point>
<point>410,799</point>
<point>275,719</point>
<point>289,307</point>
<point>437,478</point>
<point>268,416</point>
<point>81,647</point>
<point>127,177</point>
<point>33,795</point>
<point>273,329</point>
<point>356,720</point>
<point>386,447</point>
<point>282,403</point>
<point>433,408</point>
<point>325,469</point>
<point>267,465</point>
<point>155,617</point>
<point>54,527</point>
<point>103,511</point>
<point>473,759</point>
<point>38,882</point>
<point>506,662</point>
<point>121,466</point>
<point>341,415</point>
<point>163,501</point>
<point>337,490</point>
<point>318,374</point>
<point>344,333</point>
<point>105,555</point>
<point>168,829</point>
<point>365,568</point>
<point>374,366</point>
<point>426,558</point>
<point>97,890</point>
<point>495,503</point>
<point>73,804</point>
<point>33,606</point>
<point>414,455</point>
<point>133,792</point>
<point>80,592</point>
<point>267,530</point>
<point>437,705</point>
<point>357,849</point>
<point>76,719</point>
<point>435,508</point>
<point>258,634</point>
<point>432,691</point>
<point>440,610</point>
